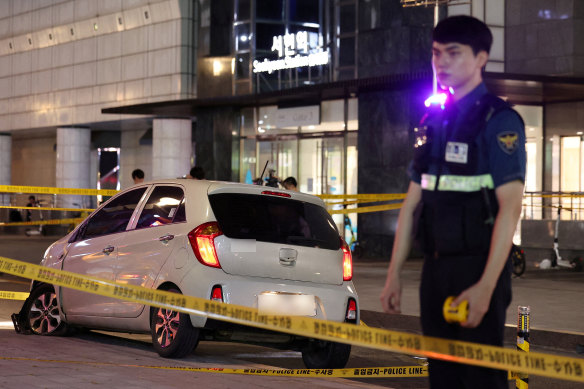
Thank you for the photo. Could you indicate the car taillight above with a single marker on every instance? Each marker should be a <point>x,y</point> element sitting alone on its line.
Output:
<point>272,193</point>
<point>351,315</point>
<point>347,261</point>
<point>217,293</point>
<point>202,241</point>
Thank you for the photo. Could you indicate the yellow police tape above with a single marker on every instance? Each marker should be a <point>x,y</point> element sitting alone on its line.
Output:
<point>351,202</point>
<point>48,208</point>
<point>363,198</point>
<point>52,190</point>
<point>44,222</point>
<point>373,208</point>
<point>370,372</point>
<point>561,367</point>
<point>376,197</point>
<point>9,295</point>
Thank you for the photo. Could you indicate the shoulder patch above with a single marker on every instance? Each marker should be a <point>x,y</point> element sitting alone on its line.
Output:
<point>508,141</point>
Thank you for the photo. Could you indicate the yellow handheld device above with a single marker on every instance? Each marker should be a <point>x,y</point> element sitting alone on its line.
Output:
<point>456,314</point>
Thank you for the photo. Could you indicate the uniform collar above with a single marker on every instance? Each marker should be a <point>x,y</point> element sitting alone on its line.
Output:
<point>472,98</point>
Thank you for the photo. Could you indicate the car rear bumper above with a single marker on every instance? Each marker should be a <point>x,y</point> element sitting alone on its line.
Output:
<point>330,300</point>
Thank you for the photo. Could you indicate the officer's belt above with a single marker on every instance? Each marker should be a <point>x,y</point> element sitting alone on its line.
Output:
<point>457,183</point>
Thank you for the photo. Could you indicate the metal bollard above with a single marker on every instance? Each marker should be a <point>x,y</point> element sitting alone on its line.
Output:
<point>522,380</point>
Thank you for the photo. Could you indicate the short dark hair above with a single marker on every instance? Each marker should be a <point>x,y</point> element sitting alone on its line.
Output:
<point>291,181</point>
<point>197,172</point>
<point>466,30</point>
<point>138,173</point>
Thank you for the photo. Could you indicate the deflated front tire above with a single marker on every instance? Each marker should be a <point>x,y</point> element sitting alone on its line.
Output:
<point>42,312</point>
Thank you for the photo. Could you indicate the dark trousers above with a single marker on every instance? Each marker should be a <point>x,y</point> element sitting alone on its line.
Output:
<point>443,277</point>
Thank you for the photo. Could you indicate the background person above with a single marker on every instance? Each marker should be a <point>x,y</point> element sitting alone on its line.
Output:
<point>290,183</point>
<point>31,203</point>
<point>138,176</point>
<point>197,173</point>
<point>466,190</point>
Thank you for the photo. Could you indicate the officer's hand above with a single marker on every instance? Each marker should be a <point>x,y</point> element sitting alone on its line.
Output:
<point>391,296</point>
<point>479,298</point>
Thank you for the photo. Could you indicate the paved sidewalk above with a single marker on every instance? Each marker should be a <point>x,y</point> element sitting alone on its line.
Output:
<point>556,297</point>
<point>50,362</point>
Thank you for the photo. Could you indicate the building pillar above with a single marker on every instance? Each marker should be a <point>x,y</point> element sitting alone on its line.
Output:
<point>213,142</point>
<point>171,148</point>
<point>5,165</point>
<point>73,151</point>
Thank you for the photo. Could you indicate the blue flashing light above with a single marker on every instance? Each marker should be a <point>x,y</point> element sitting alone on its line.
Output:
<point>436,99</point>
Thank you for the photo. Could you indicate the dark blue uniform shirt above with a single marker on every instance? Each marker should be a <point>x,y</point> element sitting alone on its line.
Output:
<point>501,147</point>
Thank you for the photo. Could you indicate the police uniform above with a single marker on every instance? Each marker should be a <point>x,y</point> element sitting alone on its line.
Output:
<point>464,151</point>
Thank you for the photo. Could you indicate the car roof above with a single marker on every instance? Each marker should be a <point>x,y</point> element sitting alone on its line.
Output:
<point>215,187</point>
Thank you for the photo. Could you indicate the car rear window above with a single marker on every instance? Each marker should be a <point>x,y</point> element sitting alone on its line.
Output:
<point>273,219</point>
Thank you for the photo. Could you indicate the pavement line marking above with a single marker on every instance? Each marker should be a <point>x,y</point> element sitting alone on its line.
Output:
<point>548,365</point>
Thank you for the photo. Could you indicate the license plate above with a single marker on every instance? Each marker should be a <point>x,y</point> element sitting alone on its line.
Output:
<point>287,304</point>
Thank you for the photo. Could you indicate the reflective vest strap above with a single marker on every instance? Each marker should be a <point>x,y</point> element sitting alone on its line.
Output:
<point>457,183</point>
<point>428,181</point>
<point>465,183</point>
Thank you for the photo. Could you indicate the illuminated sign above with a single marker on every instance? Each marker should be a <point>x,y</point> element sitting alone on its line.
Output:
<point>294,51</point>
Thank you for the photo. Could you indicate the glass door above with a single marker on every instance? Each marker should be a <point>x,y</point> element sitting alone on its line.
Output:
<point>321,168</point>
<point>571,174</point>
<point>281,156</point>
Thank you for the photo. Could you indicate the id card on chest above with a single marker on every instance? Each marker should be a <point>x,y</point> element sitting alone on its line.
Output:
<point>456,152</point>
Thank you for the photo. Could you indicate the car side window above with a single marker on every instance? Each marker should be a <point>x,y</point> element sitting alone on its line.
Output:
<point>115,216</point>
<point>163,207</point>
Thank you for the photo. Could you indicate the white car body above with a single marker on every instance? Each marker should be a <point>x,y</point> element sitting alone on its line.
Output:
<point>252,271</point>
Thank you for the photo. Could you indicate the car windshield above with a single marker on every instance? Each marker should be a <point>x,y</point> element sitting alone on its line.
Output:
<point>274,219</point>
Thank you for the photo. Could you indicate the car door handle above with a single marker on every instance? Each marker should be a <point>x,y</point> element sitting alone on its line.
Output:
<point>108,250</point>
<point>166,238</point>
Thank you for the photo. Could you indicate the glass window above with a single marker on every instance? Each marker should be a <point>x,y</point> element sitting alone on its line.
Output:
<point>265,35</point>
<point>332,116</point>
<point>348,18</point>
<point>248,161</point>
<point>495,12</point>
<point>304,11</point>
<point>242,66</point>
<point>162,207</point>
<point>242,9</point>
<point>242,37</point>
<point>267,122</point>
<point>273,219</point>
<point>247,122</point>
<point>369,15</point>
<point>114,216</point>
<point>269,9</point>
<point>347,52</point>
<point>282,156</point>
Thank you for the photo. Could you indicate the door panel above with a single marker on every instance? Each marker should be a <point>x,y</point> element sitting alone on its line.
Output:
<point>87,257</point>
<point>140,259</point>
<point>159,229</point>
<point>95,253</point>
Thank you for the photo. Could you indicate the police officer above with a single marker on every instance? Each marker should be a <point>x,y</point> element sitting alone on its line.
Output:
<point>463,203</point>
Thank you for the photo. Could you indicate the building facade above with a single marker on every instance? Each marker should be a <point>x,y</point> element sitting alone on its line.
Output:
<point>327,91</point>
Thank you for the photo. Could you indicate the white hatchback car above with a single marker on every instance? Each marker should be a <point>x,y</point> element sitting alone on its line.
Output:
<point>275,250</point>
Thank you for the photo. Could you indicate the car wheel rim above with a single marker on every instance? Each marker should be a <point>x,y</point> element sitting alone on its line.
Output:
<point>166,326</point>
<point>44,314</point>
